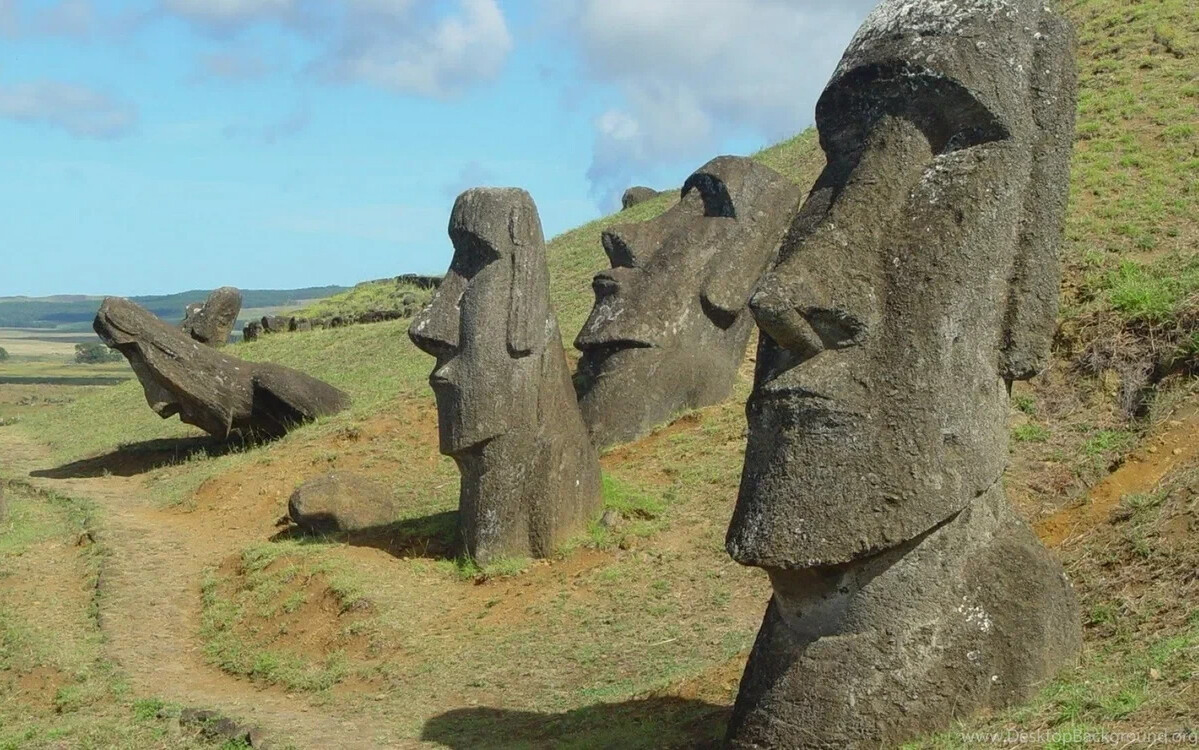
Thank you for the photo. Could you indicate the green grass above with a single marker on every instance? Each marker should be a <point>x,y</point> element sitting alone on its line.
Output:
<point>386,294</point>
<point>56,688</point>
<point>1030,432</point>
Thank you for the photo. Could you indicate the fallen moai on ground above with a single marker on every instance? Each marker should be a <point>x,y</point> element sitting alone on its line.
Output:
<point>919,276</point>
<point>506,408</point>
<point>212,321</point>
<point>208,389</point>
<point>670,326</point>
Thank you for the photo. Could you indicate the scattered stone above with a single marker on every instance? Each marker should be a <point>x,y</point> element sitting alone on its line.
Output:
<point>275,324</point>
<point>212,322</point>
<point>637,194</point>
<point>506,409</point>
<point>610,519</point>
<point>670,327</point>
<point>251,331</point>
<point>342,501</point>
<point>207,389</point>
<point>1178,451</point>
<point>919,276</point>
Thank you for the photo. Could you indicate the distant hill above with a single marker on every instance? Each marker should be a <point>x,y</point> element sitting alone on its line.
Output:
<point>70,310</point>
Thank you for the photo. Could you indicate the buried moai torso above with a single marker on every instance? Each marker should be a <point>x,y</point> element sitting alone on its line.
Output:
<point>506,408</point>
<point>919,276</point>
<point>668,329</point>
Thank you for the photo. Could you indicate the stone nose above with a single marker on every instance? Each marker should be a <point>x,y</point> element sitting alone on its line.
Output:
<point>434,330</point>
<point>777,313</point>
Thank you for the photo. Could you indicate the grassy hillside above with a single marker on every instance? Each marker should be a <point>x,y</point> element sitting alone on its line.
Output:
<point>647,622</point>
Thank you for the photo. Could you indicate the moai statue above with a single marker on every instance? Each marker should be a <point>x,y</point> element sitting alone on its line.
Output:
<point>917,281</point>
<point>505,405</point>
<point>210,390</point>
<point>212,322</point>
<point>670,325</point>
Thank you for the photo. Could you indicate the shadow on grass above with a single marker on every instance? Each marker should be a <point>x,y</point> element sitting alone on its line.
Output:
<point>664,722</point>
<point>432,536</point>
<point>139,458</point>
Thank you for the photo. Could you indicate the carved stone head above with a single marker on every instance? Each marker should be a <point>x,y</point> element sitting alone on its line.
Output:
<point>920,274</point>
<point>489,321</point>
<point>669,329</point>
<point>506,409</point>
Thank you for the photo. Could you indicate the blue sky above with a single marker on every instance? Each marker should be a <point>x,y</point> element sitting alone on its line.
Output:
<point>149,146</point>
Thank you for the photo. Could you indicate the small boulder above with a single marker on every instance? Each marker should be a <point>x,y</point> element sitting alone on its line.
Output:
<point>342,502</point>
<point>251,331</point>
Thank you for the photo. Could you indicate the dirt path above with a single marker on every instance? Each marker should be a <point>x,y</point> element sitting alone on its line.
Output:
<point>150,609</point>
<point>1140,473</point>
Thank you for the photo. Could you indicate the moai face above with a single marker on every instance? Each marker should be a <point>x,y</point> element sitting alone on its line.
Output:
<point>667,331</point>
<point>487,323</point>
<point>920,274</point>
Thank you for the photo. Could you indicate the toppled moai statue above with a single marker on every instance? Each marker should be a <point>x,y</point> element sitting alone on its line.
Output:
<point>207,389</point>
<point>670,327</point>
<point>212,322</point>
<point>637,194</point>
<point>919,276</point>
<point>506,409</point>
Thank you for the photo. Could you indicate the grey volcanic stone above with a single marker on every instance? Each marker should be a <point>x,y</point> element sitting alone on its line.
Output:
<point>342,502</point>
<point>918,277</point>
<point>670,326</point>
<point>212,322</point>
<point>251,331</point>
<point>506,409</point>
<point>275,324</point>
<point>213,391</point>
<point>635,195</point>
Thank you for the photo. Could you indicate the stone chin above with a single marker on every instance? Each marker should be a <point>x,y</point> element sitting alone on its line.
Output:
<point>454,437</point>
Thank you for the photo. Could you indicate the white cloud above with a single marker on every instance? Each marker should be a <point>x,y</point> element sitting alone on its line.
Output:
<point>231,65</point>
<point>65,18</point>
<point>472,174</point>
<point>81,111</point>
<point>434,49</point>
<point>396,47</point>
<point>692,73</point>
<point>230,14</point>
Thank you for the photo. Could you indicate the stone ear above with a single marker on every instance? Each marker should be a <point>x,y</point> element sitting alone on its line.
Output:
<point>528,300</point>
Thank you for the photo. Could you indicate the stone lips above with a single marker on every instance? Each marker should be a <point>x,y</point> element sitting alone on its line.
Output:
<point>212,322</point>
<point>213,391</point>
<point>506,408</point>
<point>668,330</point>
<point>919,276</point>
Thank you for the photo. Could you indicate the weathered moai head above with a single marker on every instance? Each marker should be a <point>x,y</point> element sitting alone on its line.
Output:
<point>212,322</point>
<point>669,326</point>
<point>920,274</point>
<point>506,409</point>
<point>918,277</point>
